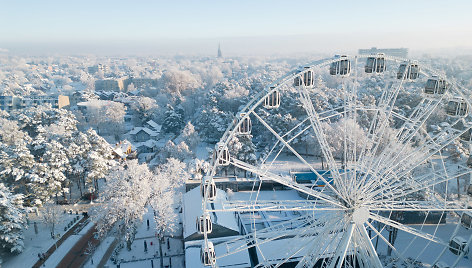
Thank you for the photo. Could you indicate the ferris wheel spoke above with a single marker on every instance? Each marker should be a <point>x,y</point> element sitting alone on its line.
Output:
<point>287,181</point>
<point>417,206</point>
<point>415,158</point>
<point>294,247</point>
<point>408,229</point>
<point>275,205</point>
<point>380,121</point>
<point>323,244</point>
<point>341,184</point>
<point>406,133</point>
<point>295,227</point>
<point>319,176</point>
<point>423,182</point>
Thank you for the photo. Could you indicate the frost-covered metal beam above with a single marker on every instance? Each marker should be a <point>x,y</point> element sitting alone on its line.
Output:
<point>265,174</point>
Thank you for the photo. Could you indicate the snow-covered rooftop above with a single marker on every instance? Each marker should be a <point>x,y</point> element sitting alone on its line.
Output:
<point>148,143</point>
<point>193,209</point>
<point>235,260</point>
<point>155,126</point>
<point>136,130</point>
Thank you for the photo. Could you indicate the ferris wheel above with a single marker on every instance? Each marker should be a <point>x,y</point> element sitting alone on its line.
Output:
<point>388,176</point>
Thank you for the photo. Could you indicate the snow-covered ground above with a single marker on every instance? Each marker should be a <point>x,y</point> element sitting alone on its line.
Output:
<point>37,243</point>
<point>138,257</point>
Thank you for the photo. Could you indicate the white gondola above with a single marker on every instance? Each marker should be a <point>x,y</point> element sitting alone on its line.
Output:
<point>272,101</point>
<point>221,154</point>
<point>207,254</point>
<point>457,107</point>
<point>375,64</point>
<point>469,190</point>
<point>466,135</point>
<point>469,162</point>
<point>297,81</point>
<point>440,264</point>
<point>245,125</point>
<point>436,86</point>
<point>308,78</point>
<point>342,66</point>
<point>458,245</point>
<point>466,219</point>
<point>204,224</point>
<point>408,70</point>
<point>208,189</point>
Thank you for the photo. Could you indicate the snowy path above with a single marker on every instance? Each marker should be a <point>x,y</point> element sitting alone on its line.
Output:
<point>59,254</point>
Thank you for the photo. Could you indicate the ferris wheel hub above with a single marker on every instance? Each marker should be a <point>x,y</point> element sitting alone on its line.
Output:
<point>360,215</point>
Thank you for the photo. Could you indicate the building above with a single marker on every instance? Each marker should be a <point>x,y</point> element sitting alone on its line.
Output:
<point>140,82</point>
<point>396,52</point>
<point>239,259</point>
<point>117,85</point>
<point>142,134</point>
<point>124,150</point>
<point>8,103</point>
<point>224,223</point>
<point>99,67</point>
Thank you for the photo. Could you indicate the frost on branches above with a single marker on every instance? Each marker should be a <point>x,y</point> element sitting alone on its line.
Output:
<point>12,220</point>
<point>125,197</point>
<point>131,187</point>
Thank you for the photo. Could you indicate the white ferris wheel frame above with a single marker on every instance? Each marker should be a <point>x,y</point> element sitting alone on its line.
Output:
<point>393,176</point>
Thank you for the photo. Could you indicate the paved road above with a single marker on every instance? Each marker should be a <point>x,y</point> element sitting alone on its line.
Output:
<point>76,257</point>
<point>51,250</point>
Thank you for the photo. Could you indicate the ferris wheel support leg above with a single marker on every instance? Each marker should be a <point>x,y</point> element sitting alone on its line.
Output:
<point>374,258</point>
<point>386,242</point>
<point>343,246</point>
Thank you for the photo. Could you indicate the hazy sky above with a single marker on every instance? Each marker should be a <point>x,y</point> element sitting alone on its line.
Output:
<point>242,27</point>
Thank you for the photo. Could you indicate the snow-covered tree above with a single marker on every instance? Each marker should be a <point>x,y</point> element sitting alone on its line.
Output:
<point>144,107</point>
<point>98,161</point>
<point>12,220</point>
<point>125,196</point>
<point>169,176</point>
<point>212,123</point>
<point>189,135</point>
<point>173,120</point>
<point>198,167</point>
<point>51,216</point>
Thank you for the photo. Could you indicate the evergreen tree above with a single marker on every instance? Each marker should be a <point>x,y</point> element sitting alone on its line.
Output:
<point>173,122</point>
<point>12,219</point>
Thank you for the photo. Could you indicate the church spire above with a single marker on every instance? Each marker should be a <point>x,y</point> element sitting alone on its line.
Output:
<point>219,51</point>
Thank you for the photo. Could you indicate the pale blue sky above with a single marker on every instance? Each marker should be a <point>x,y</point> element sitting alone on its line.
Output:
<point>190,26</point>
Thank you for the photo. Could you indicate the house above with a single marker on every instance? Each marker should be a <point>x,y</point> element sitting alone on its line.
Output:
<point>224,223</point>
<point>153,126</point>
<point>142,134</point>
<point>123,149</point>
<point>145,146</point>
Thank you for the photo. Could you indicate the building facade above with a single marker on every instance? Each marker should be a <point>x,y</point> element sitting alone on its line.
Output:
<point>396,52</point>
<point>9,103</point>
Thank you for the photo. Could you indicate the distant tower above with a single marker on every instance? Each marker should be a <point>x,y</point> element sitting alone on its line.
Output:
<point>219,51</point>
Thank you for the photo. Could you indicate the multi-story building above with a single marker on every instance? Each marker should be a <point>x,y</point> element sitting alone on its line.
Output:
<point>8,103</point>
<point>110,85</point>
<point>141,82</point>
<point>396,52</point>
<point>99,67</point>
